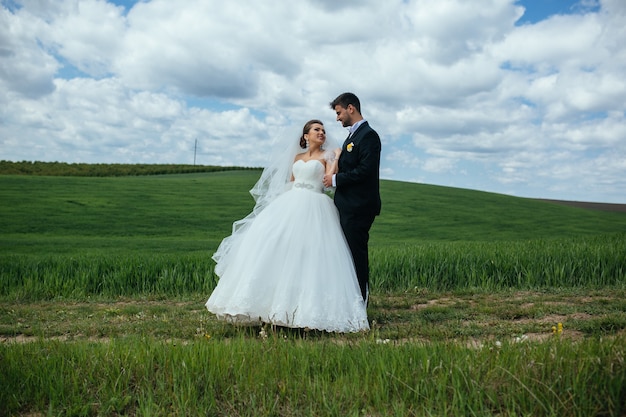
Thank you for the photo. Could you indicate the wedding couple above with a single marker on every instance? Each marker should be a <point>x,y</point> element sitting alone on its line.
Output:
<point>298,259</point>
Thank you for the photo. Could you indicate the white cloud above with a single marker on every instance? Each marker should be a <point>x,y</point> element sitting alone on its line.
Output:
<point>88,35</point>
<point>203,48</point>
<point>459,93</point>
<point>25,68</point>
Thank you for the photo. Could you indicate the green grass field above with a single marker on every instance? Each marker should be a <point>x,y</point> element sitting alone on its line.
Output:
<point>196,211</point>
<point>103,282</point>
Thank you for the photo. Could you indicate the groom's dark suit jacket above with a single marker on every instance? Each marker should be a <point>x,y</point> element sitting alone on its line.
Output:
<point>358,177</point>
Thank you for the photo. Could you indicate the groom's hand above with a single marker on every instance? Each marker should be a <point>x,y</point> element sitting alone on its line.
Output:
<point>327,180</point>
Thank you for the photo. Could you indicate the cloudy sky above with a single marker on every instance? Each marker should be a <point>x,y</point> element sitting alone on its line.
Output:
<point>520,97</point>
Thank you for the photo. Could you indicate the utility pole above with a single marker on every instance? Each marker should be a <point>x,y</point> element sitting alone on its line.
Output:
<point>195,148</point>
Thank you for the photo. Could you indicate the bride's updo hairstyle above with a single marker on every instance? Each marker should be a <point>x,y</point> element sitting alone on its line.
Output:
<point>305,130</point>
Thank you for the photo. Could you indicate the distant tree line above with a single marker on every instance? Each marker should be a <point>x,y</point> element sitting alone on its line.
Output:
<point>105,170</point>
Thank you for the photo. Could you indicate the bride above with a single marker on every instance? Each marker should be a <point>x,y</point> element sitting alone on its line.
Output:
<point>287,263</point>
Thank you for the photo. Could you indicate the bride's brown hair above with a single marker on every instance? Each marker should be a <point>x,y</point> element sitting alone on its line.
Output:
<point>305,130</point>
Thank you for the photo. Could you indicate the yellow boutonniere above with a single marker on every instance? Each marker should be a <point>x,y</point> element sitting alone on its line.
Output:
<point>350,146</point>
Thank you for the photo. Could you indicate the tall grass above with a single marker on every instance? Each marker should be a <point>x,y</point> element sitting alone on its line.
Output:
<point>76,277</point>
<point>284,376</point>
<point>585,262</point>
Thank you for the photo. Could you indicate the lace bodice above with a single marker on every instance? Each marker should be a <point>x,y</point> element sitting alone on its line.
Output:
<point>308,175</point>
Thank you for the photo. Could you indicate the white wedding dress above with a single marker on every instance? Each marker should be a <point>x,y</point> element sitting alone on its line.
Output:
<point>292,267</point>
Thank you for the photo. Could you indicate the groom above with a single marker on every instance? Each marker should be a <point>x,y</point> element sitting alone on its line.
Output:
<point>357,194</point>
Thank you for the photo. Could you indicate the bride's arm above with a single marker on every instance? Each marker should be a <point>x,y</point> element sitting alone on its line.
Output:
<point>332,162</point>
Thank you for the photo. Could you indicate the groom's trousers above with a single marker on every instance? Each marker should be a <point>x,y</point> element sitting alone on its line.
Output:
<point>356,228</point>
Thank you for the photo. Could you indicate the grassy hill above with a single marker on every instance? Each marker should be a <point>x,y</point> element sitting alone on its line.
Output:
<point>191,212</point>
<point>424,212</point>
<point>155,235</point>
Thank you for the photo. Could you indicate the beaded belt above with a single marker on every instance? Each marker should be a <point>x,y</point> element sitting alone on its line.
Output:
<point>303,185</point>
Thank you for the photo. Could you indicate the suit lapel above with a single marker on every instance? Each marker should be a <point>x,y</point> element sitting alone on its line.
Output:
<point>356,132</point>
<point>351,138</point>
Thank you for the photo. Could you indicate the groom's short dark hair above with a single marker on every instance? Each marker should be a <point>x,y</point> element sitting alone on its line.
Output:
<point>344,100</point>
